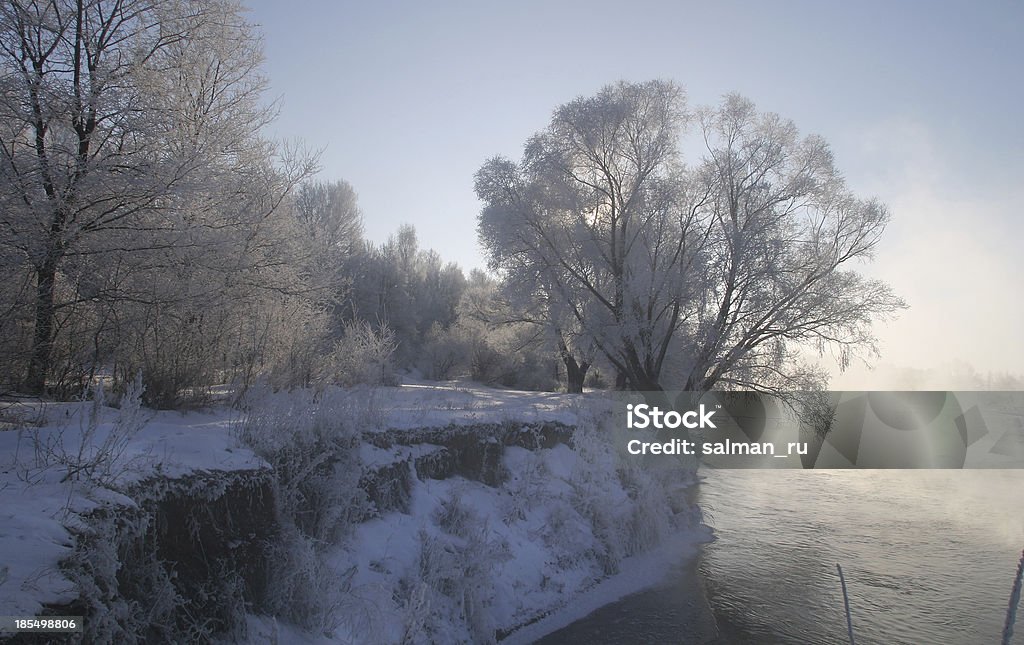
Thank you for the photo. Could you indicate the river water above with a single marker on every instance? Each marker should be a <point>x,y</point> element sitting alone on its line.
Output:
<point>928,555</point>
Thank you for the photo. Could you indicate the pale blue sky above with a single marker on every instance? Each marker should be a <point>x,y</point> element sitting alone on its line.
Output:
<point>920,100</point>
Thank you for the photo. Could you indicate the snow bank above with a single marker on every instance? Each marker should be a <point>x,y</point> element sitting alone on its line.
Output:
<point>562,525</point>
<point>551,530</point>
<point>638,572</point>
<point>44,493</point>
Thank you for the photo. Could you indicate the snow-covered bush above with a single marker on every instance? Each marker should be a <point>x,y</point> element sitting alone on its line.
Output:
<point>286,341</point>
<point>454,517</point>
<point>97,451</point>
<point>629,512</point>
<point>126,592</point>
<point>303,587</point>
<point>532,370</point>
<point>526,487</point>
<point>443,354</point>
<point>458,566</point>
<point>363,356</point>
<point>648,521</point>
<point>313,445</point>
<point>414,599</point>
<point>487,363</point>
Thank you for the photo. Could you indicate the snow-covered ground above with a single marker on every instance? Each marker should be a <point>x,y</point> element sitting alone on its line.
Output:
<point>41,494</point>
<point>420,404</point>
<point>563,535</point>
<point>567,530</point>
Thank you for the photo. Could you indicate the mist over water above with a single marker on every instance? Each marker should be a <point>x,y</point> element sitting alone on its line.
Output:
<point>929,555</point>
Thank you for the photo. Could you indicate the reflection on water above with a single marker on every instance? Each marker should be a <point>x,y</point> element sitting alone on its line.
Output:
<point>929,557</point>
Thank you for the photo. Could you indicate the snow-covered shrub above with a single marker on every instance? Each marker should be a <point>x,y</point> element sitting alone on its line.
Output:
<point>364,407</point>
<point>495,354</point>
<point>443,354</point>
<point>176,347</point>
<point>649,521</point>
<point>304,588</point>
<point>526,485</point>
<point>126,592</point>
<point>531,370</point>
<point>454,517</point>
<point>227,593</point>
<point>627,507</point>
<point>296,344</point>
<point>599,499</point>
<point>363,356</point>
<point>414,599</point>
<point>313,445</point>
<point>459,566</point>
<point>459,574</point>
<point>567,535</point>
<point>509,355</point>
<point>98,450</point>
<point>178,380</point>
<point>487,364</point>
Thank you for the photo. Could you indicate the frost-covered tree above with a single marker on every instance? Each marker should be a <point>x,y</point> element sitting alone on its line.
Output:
<point>719,268</point>
<point>784,234</point>
<point>594,217</point>
<point>330,213</point>
<point>330,245</point>
<point>405,288</point>
<point>333,225</point>
<point>127,127</point>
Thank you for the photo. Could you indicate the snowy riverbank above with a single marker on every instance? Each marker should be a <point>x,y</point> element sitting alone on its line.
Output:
<point>443,512</point>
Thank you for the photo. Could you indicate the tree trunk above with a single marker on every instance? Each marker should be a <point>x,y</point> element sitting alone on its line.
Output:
<point>42,338</point>
<point>621,380</point>
<point>575,374</point>
<point>575,371</point>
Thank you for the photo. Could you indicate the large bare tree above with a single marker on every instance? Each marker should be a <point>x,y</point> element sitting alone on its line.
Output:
<point>711,273</point>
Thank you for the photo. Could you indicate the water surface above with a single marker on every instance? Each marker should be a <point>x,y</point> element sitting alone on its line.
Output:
<point>929,557</point>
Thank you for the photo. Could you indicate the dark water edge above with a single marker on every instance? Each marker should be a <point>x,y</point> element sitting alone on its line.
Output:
<point>735,628</point>
<point>679,610</point>
<point>674,611</point>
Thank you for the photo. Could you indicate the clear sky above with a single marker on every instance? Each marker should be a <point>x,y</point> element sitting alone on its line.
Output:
<point>921,101</point>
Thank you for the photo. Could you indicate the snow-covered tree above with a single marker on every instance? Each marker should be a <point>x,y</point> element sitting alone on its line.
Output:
<point>128,128</point>
<point>407,289</point>
<point>784,234</point>
<point>330,218</point>
<point>719,268</point>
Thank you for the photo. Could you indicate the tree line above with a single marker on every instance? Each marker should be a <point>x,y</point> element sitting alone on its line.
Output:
<point>149,224</point>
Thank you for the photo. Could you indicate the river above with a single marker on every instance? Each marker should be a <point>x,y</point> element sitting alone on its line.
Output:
<point>928,555</point>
